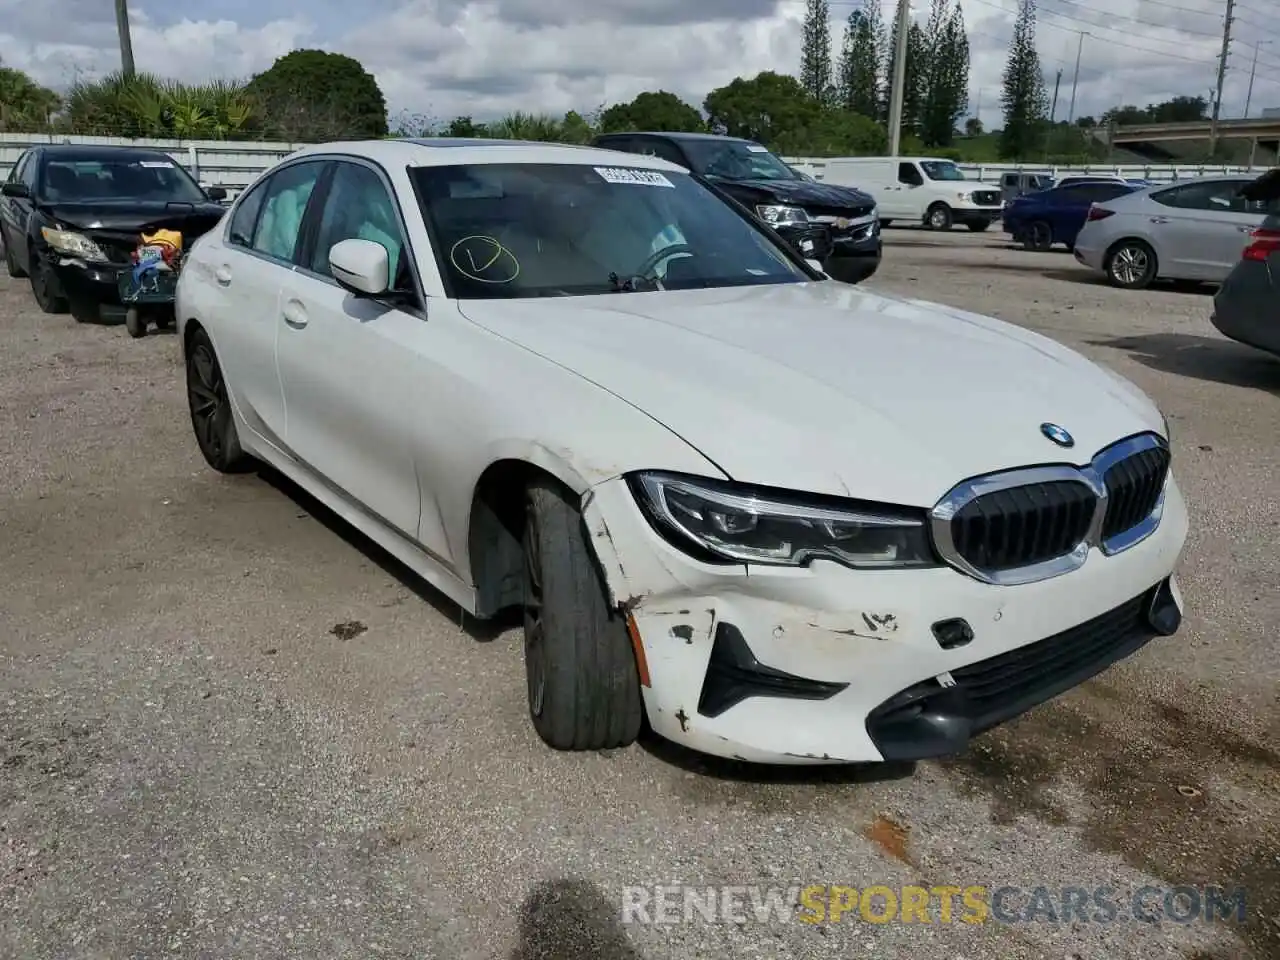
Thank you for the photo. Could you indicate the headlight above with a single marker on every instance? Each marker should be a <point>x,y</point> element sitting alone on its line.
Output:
<point>731,523</point>
<point>965,196</point>
<point>72,244</point>
<point>776,215</point>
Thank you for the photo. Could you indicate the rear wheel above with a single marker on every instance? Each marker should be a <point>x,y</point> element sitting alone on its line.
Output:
<point>44,287</point>
<point>1039,236</point>
<point>583,683</point>
<point>978,226</point>
<point>210,406</point>
<point>1131,265</point>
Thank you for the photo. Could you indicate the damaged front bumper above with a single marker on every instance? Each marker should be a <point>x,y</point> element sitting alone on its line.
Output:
<point>828,664</point>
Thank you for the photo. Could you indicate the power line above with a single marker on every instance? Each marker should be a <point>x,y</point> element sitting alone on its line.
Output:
<point>1098,37</point>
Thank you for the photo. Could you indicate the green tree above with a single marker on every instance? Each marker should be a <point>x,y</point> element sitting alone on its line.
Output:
<point>24,104</point>
<point>1023,97</point>
<point>862,61</point>
<point>815,52</point>
<point>311,95</point>
<point>465,127</point>
<point>973,127</point>
<point>575,129</point>
<point>656,110</point>
<point>774,109</point>
<point>944,74</point>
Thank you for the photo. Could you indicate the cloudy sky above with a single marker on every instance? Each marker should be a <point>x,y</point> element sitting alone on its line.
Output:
<point>442,58</point>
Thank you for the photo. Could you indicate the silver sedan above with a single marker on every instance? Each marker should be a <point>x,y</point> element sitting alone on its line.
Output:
<point>1191,230</point>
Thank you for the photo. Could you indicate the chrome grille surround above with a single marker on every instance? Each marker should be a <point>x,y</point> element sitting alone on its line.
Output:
<point>1091,475</point>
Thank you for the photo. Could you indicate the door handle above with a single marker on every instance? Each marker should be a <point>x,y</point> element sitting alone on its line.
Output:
<point>223,276</point>
<point>1159,219</point>
<point>295,314</point>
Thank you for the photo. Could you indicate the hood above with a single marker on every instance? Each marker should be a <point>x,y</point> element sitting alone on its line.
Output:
<point>136,216</point>
<point>826,388</point>
<point>803,193</point>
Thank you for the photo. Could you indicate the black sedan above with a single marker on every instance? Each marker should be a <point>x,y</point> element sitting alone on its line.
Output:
<point>72,216</point>
<point>837,226</point>
<point>1246,307</point>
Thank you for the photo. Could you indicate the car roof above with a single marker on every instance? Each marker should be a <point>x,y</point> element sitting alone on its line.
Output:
<point>447,151</point>
<point>100,152</point>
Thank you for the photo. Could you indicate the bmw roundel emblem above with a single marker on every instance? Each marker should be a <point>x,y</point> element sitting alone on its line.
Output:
<point>1057,434</point>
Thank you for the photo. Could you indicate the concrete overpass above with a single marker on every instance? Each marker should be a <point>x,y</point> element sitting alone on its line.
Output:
<point>1248,141</point>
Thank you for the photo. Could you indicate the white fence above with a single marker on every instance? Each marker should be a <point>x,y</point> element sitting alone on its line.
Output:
<point>235,164</point>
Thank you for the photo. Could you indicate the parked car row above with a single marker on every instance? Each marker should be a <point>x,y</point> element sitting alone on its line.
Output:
<point>534,373</point>
<point>1222,229</point>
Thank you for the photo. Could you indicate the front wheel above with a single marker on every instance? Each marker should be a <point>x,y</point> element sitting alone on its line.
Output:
<point>135,322</point>
<point>10,261</point>
<point>939,217</point>
<point>1131,265</point>
<point>583,683</point>
<point>44,287</point>
<point>210,407</point>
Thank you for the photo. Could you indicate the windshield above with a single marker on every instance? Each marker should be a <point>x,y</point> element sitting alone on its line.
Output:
<point>941,170</point>
<point>736,160</point>
<point>127,178</point>
<point>547,230</point>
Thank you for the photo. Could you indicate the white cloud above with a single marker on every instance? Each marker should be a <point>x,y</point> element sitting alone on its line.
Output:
<point>443,58</point>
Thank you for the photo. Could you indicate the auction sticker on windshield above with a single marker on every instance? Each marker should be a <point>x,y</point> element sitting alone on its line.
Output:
<point>649,178</point>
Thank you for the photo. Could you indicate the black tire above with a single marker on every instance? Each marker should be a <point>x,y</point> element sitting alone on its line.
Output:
<point>44,287</point>
<point>210,407</point>
<point>1039,236</point>
<point>1131,265</point>
<point>10,261</point>
<point>938,217</point>
<point>135,322</point>
<point>978,226</point>
<point>583,683</point>
<point>164,321</point>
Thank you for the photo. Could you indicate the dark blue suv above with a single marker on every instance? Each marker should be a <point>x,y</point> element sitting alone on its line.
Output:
<point>1041,219</point>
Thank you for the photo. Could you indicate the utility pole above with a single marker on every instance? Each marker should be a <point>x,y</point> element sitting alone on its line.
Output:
<point>1075,77</point>
<point>897,93</point>
<point>126,42</point>
<point>1222,76</point>
<point>1248,100</point>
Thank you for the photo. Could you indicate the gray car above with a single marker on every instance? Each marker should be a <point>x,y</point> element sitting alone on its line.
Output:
<point>1192,230</point>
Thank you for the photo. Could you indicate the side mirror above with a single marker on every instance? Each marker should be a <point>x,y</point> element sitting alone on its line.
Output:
<point>16,188</point>
<point>816,266</point>
<point>216,194</point>
<point>361,266</point>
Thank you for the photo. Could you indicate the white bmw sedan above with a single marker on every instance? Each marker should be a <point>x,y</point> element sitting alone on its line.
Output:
<point>779,518</point>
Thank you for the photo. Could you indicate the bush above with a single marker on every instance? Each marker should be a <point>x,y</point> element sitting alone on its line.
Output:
<point>145,105</point>
<point>314,95</point>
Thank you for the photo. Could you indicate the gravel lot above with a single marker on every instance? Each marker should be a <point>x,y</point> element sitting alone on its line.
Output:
<point>230,729</point>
